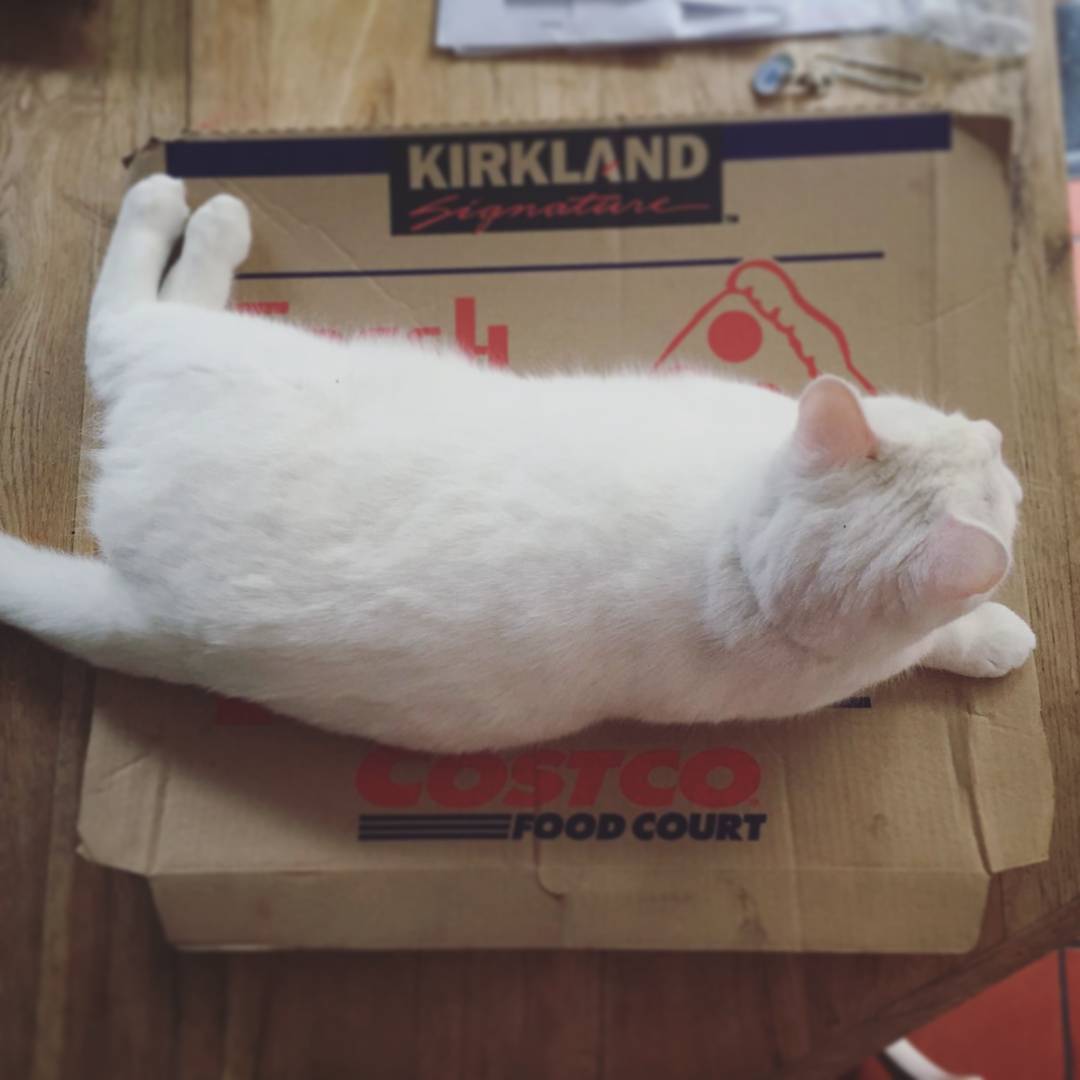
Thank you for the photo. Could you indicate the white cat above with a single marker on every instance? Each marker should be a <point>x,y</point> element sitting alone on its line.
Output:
<point>395,542</point>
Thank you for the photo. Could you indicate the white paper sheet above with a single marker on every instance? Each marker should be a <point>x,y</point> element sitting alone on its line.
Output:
<point>486,26</point>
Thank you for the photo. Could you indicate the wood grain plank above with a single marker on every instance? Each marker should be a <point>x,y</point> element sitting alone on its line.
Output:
<point>43,237</point>
<point>330,1015</point>
<point>531,1014</point>
<point>200,1008</point>
<point>246,1014</point>
<point>120,977</point>
<point>77,81</point>
<point>688,1015</point>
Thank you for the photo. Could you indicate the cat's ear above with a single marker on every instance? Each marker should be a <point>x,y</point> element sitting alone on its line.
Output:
<point>960,560</point>
<point>832,430</point>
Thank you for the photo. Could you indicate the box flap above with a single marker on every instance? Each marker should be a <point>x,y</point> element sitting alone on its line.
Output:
<point>930,912</point>
<point>125,778</point>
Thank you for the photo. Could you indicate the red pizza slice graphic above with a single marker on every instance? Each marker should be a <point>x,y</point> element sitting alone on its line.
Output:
<point>761,311</point>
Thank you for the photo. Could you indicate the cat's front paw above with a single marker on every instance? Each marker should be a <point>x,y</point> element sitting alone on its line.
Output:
<point>995,641</point>
<point>157,202</point>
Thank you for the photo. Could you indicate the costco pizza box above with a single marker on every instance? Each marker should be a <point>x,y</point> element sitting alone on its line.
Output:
<point>872,247</point>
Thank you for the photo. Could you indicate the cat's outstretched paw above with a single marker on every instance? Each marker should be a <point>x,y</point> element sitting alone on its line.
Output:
<point>157,202</point>
<point>986,643</point>
<point>222,225</point>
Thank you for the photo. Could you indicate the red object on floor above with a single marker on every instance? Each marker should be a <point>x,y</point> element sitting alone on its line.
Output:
<point>1072,1002</point>
<point>873,1070</point>
<point>1012,1031</point>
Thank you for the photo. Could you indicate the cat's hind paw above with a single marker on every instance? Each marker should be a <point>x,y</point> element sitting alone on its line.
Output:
<point>221,225</point>
<point>158,202</point>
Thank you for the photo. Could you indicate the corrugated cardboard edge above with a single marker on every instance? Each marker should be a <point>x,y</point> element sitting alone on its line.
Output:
<point>128,774</point>
<point>153,150</point>
<point>779,109</point>
<point>120,809</point>
<point>993,752</point>
<point>914,911</point>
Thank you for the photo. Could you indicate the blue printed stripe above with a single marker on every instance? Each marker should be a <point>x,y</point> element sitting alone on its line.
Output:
<point>366,155</point>
<point>221,158</point>
<point>818,137</point>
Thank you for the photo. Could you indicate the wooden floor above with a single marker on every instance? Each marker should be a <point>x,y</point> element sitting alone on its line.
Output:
<point>87,987</point>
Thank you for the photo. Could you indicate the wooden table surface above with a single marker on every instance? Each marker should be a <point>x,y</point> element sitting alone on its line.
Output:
<point>87,986</point>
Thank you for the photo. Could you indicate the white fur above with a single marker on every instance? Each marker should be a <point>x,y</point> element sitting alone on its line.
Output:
<point>395,542</point>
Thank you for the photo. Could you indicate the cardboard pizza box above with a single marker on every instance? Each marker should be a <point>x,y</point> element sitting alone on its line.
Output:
<point>873,247</point>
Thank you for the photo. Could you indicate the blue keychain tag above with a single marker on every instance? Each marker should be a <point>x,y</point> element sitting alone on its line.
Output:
<point>772,75</point>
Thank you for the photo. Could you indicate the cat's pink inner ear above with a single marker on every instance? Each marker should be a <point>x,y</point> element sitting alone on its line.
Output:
<point>962,560</point>
<point>832,428</point>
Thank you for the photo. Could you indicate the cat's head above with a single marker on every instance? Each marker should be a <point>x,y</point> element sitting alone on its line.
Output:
<point>884,514</point>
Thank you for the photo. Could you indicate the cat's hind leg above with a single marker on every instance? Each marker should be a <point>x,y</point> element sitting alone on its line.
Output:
<point>216,241</point>
<point>151,219</point>
<point>78,604</point>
